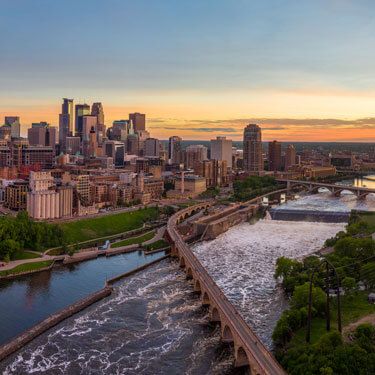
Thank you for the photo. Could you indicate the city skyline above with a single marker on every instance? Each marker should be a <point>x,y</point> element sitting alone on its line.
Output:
<point>288,66</point>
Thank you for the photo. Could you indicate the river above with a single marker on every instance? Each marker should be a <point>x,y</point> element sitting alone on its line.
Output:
<point>154,324</point>
<point>28,300</point>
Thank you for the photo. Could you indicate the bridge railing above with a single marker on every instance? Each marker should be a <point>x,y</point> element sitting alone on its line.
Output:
<point>249,340</point>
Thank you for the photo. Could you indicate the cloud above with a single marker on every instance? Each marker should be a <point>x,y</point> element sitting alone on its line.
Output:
<point>268,124</point>
<point>203,130</point>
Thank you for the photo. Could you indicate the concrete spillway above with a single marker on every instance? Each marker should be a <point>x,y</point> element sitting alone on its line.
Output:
<point>309,215</point>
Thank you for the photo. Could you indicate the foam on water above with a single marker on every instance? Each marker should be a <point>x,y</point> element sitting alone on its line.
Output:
<point>152,324</point>
<point>242,262</point>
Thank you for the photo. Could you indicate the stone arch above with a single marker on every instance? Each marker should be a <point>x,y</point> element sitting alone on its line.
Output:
<point>189,273</point>
<point>205,299</point>
<point>186,215</point>
<point>226,335</point>
<point>182,262</point>
<point>215,316</point>
<point>197,286</point>
<point>241,358</point>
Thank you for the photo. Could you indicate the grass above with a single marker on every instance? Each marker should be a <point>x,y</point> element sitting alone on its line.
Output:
<point>160,244</point>
<point>134,240</point>
<point>26,255</point>
<point>88,229</point>
<point>26,267</point>
<point>352,309</point>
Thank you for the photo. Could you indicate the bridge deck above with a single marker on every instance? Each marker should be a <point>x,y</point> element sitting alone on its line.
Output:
<point>249,340</point>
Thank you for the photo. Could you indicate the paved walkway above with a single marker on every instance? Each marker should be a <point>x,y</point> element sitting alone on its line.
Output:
<point>158,236</point>
<point>15,263</point>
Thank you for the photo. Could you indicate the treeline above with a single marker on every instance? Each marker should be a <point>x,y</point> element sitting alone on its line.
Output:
<point>253,187</point>
<point>353,257</point>
<point>20,232</point>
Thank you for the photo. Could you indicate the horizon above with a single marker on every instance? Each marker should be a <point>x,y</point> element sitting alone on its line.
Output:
<point>303,70</point>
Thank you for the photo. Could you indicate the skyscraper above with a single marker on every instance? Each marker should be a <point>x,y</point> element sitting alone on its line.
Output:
<point>175,150</point>
<point>80,111</point>
<point>14,123</point>
<point>290,157</point>
<point>221,149</point>
<point>139,121</point>
<point>97,110</point>
<point>152,147</point>
<point>42,134</point>
<point>274,156</point>
<point>252,149</point>
<point>88,122</point>
<point>65,122</point>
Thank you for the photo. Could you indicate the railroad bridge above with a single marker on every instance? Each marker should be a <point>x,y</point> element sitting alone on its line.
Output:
<point>248,349</point>
<point>360,192</point>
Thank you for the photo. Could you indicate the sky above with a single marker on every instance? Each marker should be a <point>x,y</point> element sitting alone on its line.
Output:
<point>302,69</point>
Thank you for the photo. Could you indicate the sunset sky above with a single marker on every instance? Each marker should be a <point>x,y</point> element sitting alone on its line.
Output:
<point>303,69</point>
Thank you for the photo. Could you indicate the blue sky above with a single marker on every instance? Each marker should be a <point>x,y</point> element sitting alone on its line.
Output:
<point>183,60</point>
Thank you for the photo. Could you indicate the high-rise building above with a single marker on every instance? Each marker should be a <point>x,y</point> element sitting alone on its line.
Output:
<point>152,147</point>
<point>195,153</point>
<point>65,122</point>
<point>14,123</point>
<point>88,122</point>
<point>73,145</point>
<point>80,111</point>
<point>42,134</point>
<point>97,110</point>
<point>120,130</point>
<point>252,149</point>
<point>274,156</point>
<point>175,150</point>
<point>221,149</point>
<point>115,150</point>
<point>138,120</point>
<point>290,157</point>
<point>5,132</point>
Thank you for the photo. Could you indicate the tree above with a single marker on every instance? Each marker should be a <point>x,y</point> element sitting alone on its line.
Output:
<point>300,297</point>
<point>368,274</point>
<point>349,284</point>
<point>8,248</point>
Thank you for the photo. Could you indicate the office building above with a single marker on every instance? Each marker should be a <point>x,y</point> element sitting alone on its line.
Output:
<point>194,154</point>
<point>138,120</point>
<point>290,157</point>
<point>15,125</point>
<point>152,147</point>
<point>5,132</point>
<point>97,110</point>
<point>252,149</point>
<point>42,134</point>
<point>115,150</point>
<point>175,155</point>
<point>274,156</point>
<point>16,195</point>
<point>81,110</point>
<point>88,122</point>
<point>73,145</point>
<point>221,149</point>
<point>65,122</point>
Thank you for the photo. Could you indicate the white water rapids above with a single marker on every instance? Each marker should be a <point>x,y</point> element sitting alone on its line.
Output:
<point>242,262</point>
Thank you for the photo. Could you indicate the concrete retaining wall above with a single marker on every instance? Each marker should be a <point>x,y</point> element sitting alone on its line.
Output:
<point>14,275</point>
<point>129,273</point>
<point>21,340</point>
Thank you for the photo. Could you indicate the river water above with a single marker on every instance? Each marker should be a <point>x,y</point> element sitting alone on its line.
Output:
<point>154,324</point>
<point>28,300</point>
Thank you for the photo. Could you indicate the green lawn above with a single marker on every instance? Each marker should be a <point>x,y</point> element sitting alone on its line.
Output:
<point>134,240</point>
<point>352,309</point>
<point>160,244</point>
<point>87,229</point>
<point>26,255</point>
<point>26,267</point>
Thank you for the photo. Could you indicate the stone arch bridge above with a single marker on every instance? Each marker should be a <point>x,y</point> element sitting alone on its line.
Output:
<point>248,349</point>
<point>360,192</point>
